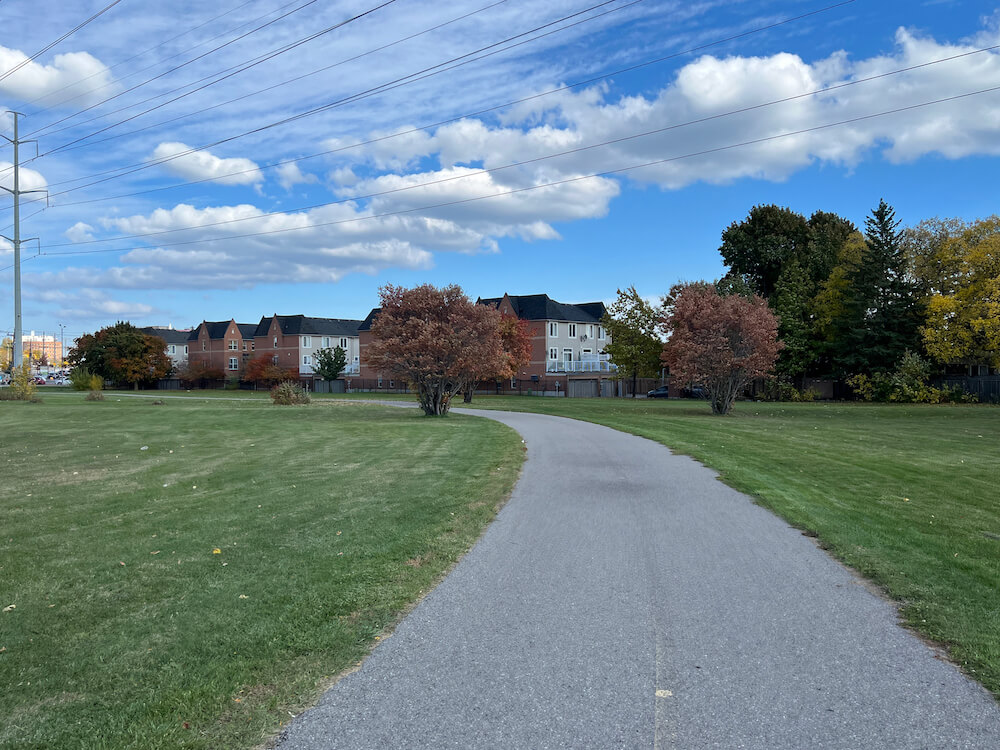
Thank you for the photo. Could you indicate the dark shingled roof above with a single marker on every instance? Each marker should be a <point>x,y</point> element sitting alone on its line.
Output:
<point>298,325</point>
<point>366,324</point>
<point>170,335</point>
<point>217,329</point>
<point>541,307</point>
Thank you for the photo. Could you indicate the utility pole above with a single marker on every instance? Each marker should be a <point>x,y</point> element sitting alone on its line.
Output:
<point>62,344</point>
<point>16,239</point>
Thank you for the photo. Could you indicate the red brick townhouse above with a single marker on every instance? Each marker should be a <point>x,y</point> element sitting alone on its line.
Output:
<point>293,340</point>
<point>567,345</point>
<point>567,342</point>
<point>222,344</point>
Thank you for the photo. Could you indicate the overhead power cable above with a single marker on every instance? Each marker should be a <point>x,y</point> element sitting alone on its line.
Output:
<point>65,36</point>
<point>177,67</point>
<point>90,143</point>
<point>535,160</point>
<point>436,69</point>
<point>553,183</point>
<point>146,51</point>
<point>219,77</point>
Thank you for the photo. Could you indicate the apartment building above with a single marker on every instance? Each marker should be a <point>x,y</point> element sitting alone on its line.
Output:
<point>222,345</point>
<point>292,341</point>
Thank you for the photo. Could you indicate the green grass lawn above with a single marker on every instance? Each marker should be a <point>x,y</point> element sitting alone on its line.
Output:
<point>187,575</point>
<point>908,495</point>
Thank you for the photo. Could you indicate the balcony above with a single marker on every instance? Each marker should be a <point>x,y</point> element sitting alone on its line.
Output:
<point>589,363</point>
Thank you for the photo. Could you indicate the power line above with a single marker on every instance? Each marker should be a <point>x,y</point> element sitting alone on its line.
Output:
<point>223,75</point>
<point>553,183</point>
<point>177,67</point>
<point>202,111</point>
<point>395,83</point>
<point>145,52</point>
<point>534,160</point>
<point>65,36</point>
<point>129,169</point>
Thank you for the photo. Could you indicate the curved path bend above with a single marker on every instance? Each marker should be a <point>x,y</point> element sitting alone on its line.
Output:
<point>626,598</point>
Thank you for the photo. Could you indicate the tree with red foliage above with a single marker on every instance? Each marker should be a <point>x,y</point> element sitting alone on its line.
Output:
<point>263,371</point>
<point>719,342</point>
<point>198,373</point>
<point>437,340</point>
<point>515,340</point>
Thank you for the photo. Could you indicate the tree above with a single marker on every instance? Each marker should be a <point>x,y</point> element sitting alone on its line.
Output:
<point>263,371</point>
<point>330,363</point>
<point>437,340</point>
<point>882,315</point>
<point>722,343</point>
<point>963,325</point>
<point>122,353</point>
<point>758,247</point>
<point>515,341</point>
<point>635,347</point>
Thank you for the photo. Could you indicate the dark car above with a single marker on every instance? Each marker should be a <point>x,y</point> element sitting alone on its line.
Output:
<point>695,391</point>
<point>662,392</point>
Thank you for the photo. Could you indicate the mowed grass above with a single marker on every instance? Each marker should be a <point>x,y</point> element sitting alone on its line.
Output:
<point>128,631</point>
<point>907,495</point>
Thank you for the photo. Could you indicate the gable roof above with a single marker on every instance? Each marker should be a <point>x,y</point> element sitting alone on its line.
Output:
<point>366,324</point>
<point>170,335</point>
<point>542,307</point>
<point>217,329</point>
<point>298,325</point>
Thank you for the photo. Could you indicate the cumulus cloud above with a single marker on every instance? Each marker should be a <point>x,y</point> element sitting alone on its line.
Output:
<point>80,232</point>
<point>88,304</point>
<point>204,165</point>
<point>290,175</point>
<point>76,78</point>
<point>30,179</point>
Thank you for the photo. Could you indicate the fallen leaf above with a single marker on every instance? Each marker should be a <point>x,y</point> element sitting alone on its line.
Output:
<point>244,596</point>
<point>10,607</point>
<point>155,553</point>
<point>122,564</point>
<point>144,448</point>
<point>216,551</point>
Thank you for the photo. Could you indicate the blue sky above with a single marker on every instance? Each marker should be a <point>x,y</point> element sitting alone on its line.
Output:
<point>191,176</point>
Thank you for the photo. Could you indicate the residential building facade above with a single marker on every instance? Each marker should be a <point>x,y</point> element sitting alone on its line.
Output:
<point>222,345</point>
<point>176,343</point>
<point>293,341</point>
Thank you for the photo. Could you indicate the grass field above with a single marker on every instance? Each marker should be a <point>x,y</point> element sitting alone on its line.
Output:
<point>908,495</point>
<point>187,575</point>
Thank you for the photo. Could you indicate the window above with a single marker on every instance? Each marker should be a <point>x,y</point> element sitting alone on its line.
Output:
<point>244,346</point>
<point>326,342</point>
<point>275,342</point>
<point>306,342</point>
<point>392,383</point>
<point>233,363</point>
<point>600,332</point>
<point>203,345</point>
<point>567,355</point>
<point>590,332</point>
<point>232,345</point>
<point>172,349</point>
<point>553,329</point>
<point>306,359</point>
<point>553,353</point>
<point>572,330</point>
<point>380,382</point>
<point>343,344</point>
<point>251,346</point>
<point>274,359</point>
<point>185,349</point>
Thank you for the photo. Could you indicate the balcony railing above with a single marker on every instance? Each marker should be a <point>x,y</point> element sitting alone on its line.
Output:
<point>600,363</point>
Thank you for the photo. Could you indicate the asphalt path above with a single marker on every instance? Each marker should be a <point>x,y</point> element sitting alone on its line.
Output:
<point>626,598</point>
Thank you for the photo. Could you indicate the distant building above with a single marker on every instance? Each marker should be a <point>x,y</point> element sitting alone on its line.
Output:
<point>41,348</point>
<point>223,345</point>
<point>175,340</point>
<point>293,341</point>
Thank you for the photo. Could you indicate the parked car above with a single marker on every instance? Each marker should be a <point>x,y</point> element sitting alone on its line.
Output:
<point>662,392</point>
<point>695,391</point>
<point>39,380</point>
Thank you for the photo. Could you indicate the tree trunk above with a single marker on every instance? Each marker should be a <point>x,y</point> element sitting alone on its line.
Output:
<point>135,386</point>
<point>467,396</point>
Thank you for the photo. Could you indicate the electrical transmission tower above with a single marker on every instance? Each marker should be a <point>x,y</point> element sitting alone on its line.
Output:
<point>16,240</point>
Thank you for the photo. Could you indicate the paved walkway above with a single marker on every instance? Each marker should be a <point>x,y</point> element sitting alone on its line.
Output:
<point>625,598</point>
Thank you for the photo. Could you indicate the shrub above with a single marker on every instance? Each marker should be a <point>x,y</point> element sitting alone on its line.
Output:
<point>22,384</point>
<point>83,379</point>
<point>779,390</point>
<point>907,384</point>
<point>288,393</point>
<point>94,396</point>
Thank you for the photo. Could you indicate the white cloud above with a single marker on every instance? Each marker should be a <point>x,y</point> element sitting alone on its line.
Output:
<point>76,77</point>
<point>30,179</point>
<point>80,232</point>
<point>88,305</point>
<point>290,175</point>
<point>204,165</point>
